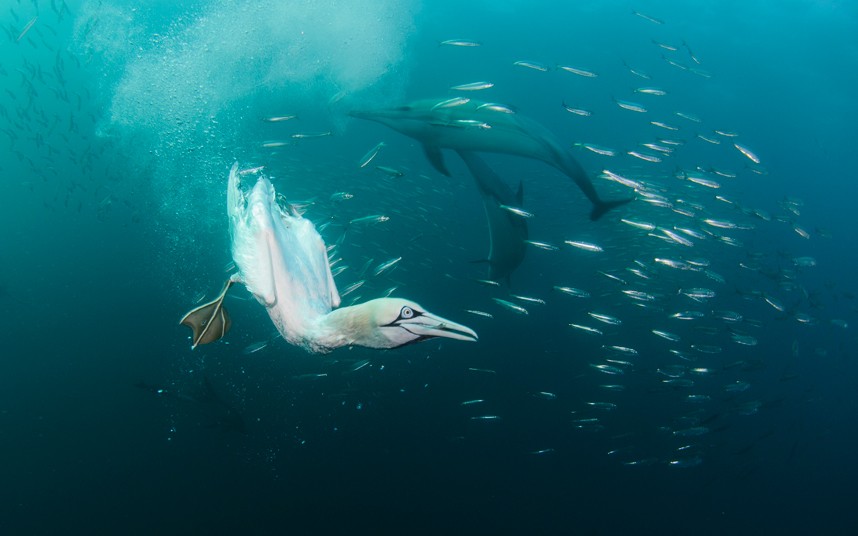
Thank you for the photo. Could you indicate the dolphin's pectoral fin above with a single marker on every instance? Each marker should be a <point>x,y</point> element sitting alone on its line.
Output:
<point>602,207</point>
<point>433,153</point>
<point>210,321</point>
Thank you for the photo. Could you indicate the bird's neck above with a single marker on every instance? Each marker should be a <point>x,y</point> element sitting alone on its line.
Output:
<point>348,326</point>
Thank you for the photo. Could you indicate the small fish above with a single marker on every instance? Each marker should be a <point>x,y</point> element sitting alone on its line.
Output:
<point>689,117</point>
<point>579,72</point>
<point>687,315</point>
<point>737,387</point>
<point>598,149</point>
<point>309,135</point>
<point>460,43</point>
<point>482,370</point>
<point>666,335</point>
<point>607,319</point>
<point>479,313</point>
<point>451,103</point>
<point>607,406</point>
<point>677,238</point>
<point>637,72</point>
<point>528,299</point>
<point>351,288</point>
<point>744,340</point>
<point>608,369</point>
<point>471,123</point>
<point>720,224</point>
<point>586,246</point>
<point>472,402</point>
<point>663,125</point>
<point>647,17</point>
<point>370,219</point>
<point>280,118</point>
<point>644,156</point>
<point>385,266</point>
<point>545,395</point>
<point>372,153</point>
<point>615,278</point>
<point>488,282</point>
<point>587,329</point>
<point>516,211</point>
<point>359,365</point>
<point>473,86</point>
<point>774,302</point>
<point>708,183</point>
<point>392,172</point>
<point>511,306</point>
<point>674,63</point>
<point>698,294</point>
<point>619,179</point>
<point>531,65</point>
<point>341,196</point>
<point>26,28</point>
<point>485,418</point>
<point>576,292</point>
<point>496,107</point>
<point>577,111</point>
<point>651,91</point>
<point>660,148</point>
<point>665,46</point>
<point>622,350</point>
<point>273,144</point>
<point>645,226</point>
<point>747,152</point>
<point>310,376</point>
<point>639,295</point>
<point>631,106</point>
<point>542,245</point>
<point>254,347</point>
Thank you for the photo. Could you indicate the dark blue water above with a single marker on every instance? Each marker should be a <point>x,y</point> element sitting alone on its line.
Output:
<point>119,124</point>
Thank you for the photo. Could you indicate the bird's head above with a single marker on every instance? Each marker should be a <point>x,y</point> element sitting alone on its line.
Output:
<point>395,322</point>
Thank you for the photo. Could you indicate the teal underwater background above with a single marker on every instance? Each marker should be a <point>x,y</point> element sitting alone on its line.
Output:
<point>118,125</point>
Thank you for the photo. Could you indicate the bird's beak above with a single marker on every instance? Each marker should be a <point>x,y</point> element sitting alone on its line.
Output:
<point>428,325</point>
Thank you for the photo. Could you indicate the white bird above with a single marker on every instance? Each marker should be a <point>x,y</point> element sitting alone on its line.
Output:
<point>283,262</point>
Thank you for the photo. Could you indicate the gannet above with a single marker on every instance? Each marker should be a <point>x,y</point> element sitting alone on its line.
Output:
<point>283,262</point>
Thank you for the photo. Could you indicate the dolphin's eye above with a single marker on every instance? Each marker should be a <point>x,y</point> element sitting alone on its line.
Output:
<point>406,312</point>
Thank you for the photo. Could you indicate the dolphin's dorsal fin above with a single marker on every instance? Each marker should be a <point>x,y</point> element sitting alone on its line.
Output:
<point>519,196</point>
<point>210,321</point>
<point>433,153</point>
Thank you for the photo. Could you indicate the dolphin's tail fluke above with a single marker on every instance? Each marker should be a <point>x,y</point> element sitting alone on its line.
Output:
<point>602,207</point>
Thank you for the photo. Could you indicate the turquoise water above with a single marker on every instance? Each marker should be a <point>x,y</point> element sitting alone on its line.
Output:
<point>119,123</point>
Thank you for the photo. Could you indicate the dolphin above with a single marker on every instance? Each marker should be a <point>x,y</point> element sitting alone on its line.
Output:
<point>507,232</point>
<point>470,125</point>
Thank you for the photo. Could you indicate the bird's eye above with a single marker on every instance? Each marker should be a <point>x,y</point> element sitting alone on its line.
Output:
<point>406,312</point>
